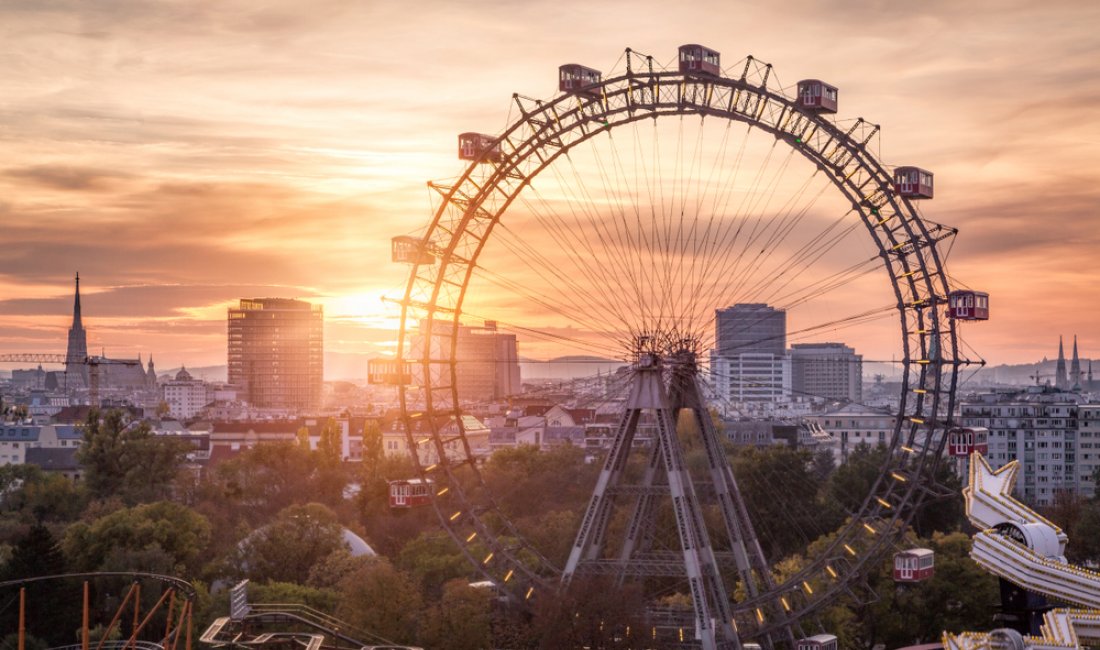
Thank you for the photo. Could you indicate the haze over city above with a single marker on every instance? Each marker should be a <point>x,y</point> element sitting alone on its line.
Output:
<point>183,155</point>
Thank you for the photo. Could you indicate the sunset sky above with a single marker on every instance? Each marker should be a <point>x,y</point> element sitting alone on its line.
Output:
<point>182,155</point>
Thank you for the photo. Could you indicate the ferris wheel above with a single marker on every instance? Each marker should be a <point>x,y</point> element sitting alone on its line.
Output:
<point>611,221</point>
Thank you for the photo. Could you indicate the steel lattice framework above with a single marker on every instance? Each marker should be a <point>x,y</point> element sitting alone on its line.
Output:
<point>473,205</point>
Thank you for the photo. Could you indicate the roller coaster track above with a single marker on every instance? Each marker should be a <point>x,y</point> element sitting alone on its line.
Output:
<point>327,631</point>
<point>1020,546</point>
<point>177,599</point>
<point>179,584</point>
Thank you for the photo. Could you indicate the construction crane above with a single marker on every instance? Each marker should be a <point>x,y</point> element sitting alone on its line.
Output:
<point>1038,376</point>
<point>92,363</point>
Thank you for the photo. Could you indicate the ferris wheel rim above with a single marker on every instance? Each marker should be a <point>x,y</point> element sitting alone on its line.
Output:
<point>930,378</point>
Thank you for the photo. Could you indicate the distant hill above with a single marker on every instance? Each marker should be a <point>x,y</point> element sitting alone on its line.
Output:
<point>567,367</point>
<point>338,366</point>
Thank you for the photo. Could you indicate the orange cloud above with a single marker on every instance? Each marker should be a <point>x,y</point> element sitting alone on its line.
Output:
<point>275,148</point>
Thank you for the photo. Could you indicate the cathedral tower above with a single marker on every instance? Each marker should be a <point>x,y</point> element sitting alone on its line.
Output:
<point>1075,374</point>
<point>1061,381</point>
<point>76,372</point>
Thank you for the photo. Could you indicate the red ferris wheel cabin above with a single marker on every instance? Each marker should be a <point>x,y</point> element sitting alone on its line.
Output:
<point>913,182</point>
<point>817,642</point>
<point>480,147</point>
<point>576,79</point>
<point>963,441</point>
<point>816,96</point>
<point>699,59</point>
<point>409,250</point>
<point>968,305</point>
<point>914,565</point>
<point>410,493</point>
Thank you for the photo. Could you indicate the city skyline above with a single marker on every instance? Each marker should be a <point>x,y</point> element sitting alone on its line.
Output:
<point>273,151</point>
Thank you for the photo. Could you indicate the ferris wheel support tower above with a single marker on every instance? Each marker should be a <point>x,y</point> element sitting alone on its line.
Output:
<point>666,475</point>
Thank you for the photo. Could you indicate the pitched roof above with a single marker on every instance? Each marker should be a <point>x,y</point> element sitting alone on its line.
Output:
<point>53,458</point>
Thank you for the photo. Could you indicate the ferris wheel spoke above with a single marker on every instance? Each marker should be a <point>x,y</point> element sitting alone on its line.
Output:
<point>687,231</point>
<point>584,211</point>
<point>714,233</point>
<point>760,224</point>
<point>826,285</point>
<point>730,266</point>
<point>612,340</point>
<point>799,261</point>
<point>638,244</point>
<point>784,222</point>
<point>626,247</point>
<point>727,238</point>
<point>584,301</point>
<point>579,251</point>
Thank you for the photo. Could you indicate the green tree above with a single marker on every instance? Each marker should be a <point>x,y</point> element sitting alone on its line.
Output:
<point>49,606</point>
<point>145,537</point>
<point>383,600</point>
<point>853,480</point>
<point>460,620</point>
<point>256,485</point>
<point>593,613</point>
<point>287,549</point>
<point>433,560</point>
<point>329,447</point>
<point>331,476</point>
<point>946,514</point>
<point>372,447</point>
<point>324,600</point>
<point>783,491</point>
<point>1084,536</point>
<point>824,464</point>
<point>529,482</point>
<point>36,554</point>
<point>334,567</point>
<point>302,436</point>
<point>29,494</point>
<point>125,460</point>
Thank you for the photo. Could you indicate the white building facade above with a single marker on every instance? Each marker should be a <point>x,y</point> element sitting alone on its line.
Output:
<point>185,395</point>
<point>1055,436</point>
<point>751,377</point>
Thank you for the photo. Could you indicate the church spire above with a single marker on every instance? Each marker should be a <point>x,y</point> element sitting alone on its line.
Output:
<point>1061,381</point>
<point>75,370</point>
<point>1075,366</point>
<point>77,324</point>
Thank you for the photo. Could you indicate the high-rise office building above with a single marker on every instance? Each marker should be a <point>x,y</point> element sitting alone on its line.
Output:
<point>750,327</point>
<point>487,360</point>
<point>749,362</point>
<point>828,371</point>
<point>276,352</point>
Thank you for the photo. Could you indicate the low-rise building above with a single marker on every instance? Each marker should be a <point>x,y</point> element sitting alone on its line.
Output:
<point>17,438</point>
<point>395,442</point>
<point>232,437</point>
<point>56,460</point>
<point>853,425</point>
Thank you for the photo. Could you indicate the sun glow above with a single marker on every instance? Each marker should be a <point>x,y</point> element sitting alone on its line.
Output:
<point>368,309</point>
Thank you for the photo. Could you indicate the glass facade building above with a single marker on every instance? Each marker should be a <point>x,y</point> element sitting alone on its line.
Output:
<point>276,352</point>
